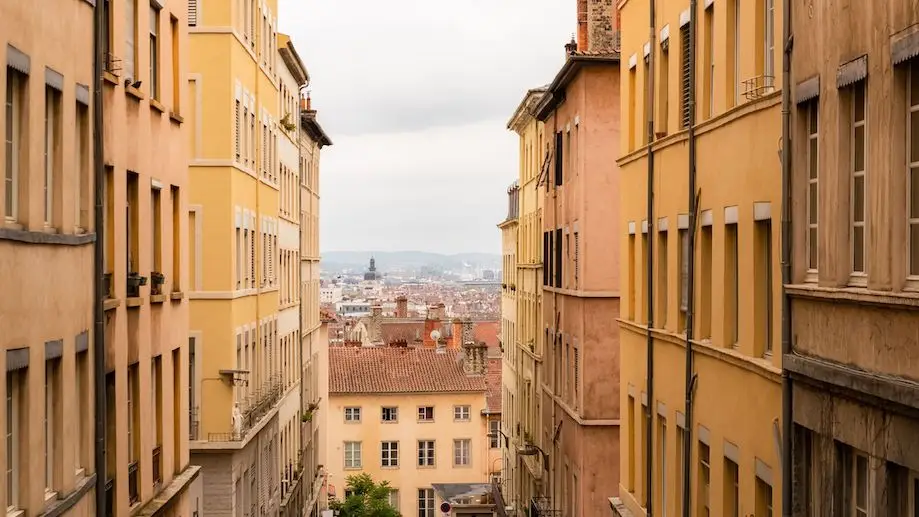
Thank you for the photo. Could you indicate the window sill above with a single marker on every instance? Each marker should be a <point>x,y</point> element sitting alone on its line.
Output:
<point>157,105</point>
<point>110,304</point>
<point>176,295</point>
<point>49,230</point>
<point>14,232</point>
<point>15,512</point>
<point>157,298</point>
<point>175,117</point>
<point>134,92</point>
<point>110,78</point>
<point>353,468</point>
<point>50,495</point>
<point>134,301</point>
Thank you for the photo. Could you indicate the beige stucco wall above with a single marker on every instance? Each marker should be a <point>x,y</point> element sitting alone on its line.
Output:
<point>408,477</point>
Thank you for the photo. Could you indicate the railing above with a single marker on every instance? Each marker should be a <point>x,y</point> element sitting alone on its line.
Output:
<point>498,498</point>
<point>292,503</point>
<point>110,498</point>
<point>758,86</point>
<point>133,495</point>
<point>158,464</point>
<point>254,408</point>
<point>542,507</point>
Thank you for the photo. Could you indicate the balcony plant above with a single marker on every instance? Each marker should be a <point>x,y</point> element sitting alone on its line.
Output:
<point>157,280</point>
<point>306,417</point>
<point>287,124</point>
<point>135,282</point>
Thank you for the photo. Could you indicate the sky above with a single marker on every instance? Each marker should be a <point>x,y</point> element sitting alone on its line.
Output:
<point>416,95</point>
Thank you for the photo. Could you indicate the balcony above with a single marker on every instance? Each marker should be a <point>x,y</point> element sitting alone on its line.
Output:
<point>292,502</point>
<point>254,407</point>
<point>542,507</point>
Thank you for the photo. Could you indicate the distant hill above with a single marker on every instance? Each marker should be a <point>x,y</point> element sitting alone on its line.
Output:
<point>393,260</point>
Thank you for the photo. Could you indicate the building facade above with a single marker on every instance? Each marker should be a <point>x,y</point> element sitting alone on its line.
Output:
<point>48,228</point>
<point>523,357</point>
<point>580,403</point>
<point>411,416</point>
<point>313,343</point>
<point>246,395</point>
<point>731,450</point>
<point>509,231</point>
<point>853,363</point>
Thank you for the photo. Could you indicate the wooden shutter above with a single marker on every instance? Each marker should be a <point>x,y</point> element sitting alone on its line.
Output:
<point>684,270</point>
<point>558,257</point>
<point>559,159</point>
<point>684,76</point>
<point>238,142</point>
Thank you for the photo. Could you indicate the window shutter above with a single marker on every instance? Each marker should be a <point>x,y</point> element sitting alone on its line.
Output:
<point>684,76</point>
<point>130,33</point>
<point>684,270</point>
<point>558,257</point>
<point>559,158</point>
<point>238,146</point>
<point>192,13</point>
<point>577,262</point>
<point>252,260</point>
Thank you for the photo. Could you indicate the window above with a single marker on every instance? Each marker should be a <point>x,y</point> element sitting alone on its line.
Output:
<point>426,414</point>
<point>631,423</point>
<point>14,383</point>
<point>859,167</point>
<point>238,132</point>
<point>461,413</point>
<point>494,436</point>
<point>353,455</point>
<point>859,494</point>
<point>684,276</point>
<point>133,413</point>
<point>731,285</point>
<point>154,53</point>
<point>558,257</point>
<point>763,497</point>
<point>461,452</point>
<point>156,398</point>
<point>708,60</point>
<point>559,159</point>
<point>192,13</point>
<point>684,77</point>
<point>130,52</point>
<point>352,414</point>
<point>389,454</point>
<point>662,461</point>
<point>14,131</point>
<point>769,45</point>
<point>52,134</point>
<point>156,207</point>
<point>913,173</point>
<point>176,76</point>
<point>662,288</point>
<point>632,129</point>
<point>764,298</point>
<point>733,77</point>
<point>705,481</point>
<point>680,463</point>
<point>425,502</point>
<point>83,387</point>
<point>50,423</point>
<point>577,266</point>
<point>632,300</point>
<point>663,74</point>
<point>425,453</point>
<point>812,177</point>
<point>82,198</point>
<point>731,489</point>
<point>394,498</point>
<point>705,284</point>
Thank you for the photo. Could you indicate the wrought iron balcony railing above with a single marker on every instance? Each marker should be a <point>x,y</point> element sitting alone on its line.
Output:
<point>133,494</point>
<point>253,408</point>
<point>157,464</point>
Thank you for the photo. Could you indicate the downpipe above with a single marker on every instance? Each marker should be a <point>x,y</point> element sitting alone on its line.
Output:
<point>649,448</point>
<point>787,393</point>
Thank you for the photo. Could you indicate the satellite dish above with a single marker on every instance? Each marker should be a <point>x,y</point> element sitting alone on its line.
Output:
<point>435,335</point>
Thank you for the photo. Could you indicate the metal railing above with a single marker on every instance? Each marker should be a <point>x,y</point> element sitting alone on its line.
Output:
<point>133,495</point>
<point>542,507</point>
<point>498,497</point>
<point>256,405</point>
<point>758,86</point>
<point>157,464</point>
<point>292,502</point>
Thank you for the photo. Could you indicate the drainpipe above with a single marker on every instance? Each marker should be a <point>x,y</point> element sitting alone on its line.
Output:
<point>299,268</point>
<point>99,260</point>
<point>787,400</point>
<point>691,263</point>
<point>649,472</point>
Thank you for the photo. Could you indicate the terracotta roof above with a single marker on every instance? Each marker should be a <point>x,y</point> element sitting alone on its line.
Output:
<point>493,381</point>
<point>398,370</point>
<point>487,332</point>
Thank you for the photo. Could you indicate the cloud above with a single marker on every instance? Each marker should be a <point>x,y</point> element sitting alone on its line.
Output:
<point>416,95</point>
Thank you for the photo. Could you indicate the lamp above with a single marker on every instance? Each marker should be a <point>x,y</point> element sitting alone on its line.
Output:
<point>497,432</point>
<point>531,449</point>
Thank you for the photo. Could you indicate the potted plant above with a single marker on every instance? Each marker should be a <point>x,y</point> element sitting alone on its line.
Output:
<point>307,417</point>
<point>135,281</point>
<point>312,406</point>
<point>287,124</point>
<point>157,280</point>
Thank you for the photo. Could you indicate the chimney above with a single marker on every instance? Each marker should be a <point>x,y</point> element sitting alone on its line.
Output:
<point>474,361</point>
<point>458,334</point>
<point>571,47</point>
<point>402,307</point>
<point>598,26</point>
<point>441,346</point>
<point>430,326</point>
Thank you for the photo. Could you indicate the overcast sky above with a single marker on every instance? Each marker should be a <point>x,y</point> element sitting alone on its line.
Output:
<point>415,95</point>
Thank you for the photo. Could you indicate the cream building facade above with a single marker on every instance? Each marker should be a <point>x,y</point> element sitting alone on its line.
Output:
<point>414,418</point>
<point>523,355</point>
<point>48,207</point>
<point>246,404</point>
<point>732,454</point>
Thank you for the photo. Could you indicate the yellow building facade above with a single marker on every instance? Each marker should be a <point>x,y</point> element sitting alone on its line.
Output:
<point>523,354</point>
<point>734,461</point>
<point>414,418</point>
<point>243,232</point>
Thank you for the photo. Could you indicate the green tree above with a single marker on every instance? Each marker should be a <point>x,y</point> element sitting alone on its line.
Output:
<point>365,499</point>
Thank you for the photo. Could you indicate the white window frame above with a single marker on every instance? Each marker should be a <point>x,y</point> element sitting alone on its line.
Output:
<point>395,414</point>
<point>353,414</point>
<point>912,278</point>
<point>426,502</point>
<point>422,414</point>
<point>394,498</point>
<point>494,426</point>
<point>813,205</point>
<point>462,413</point>
<point>389,454</point>
<point>769,45</point>
<point>354,450</point>
<point>462,452</point>
<point>427,456</point>
<point>858,278</point>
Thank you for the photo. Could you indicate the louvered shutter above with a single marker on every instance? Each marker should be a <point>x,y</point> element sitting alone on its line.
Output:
<point>130,13</point>
<point>192,13</point>
<point>684,76</point>
<point>238,141</point>
<point>684,270</point>
<point>559,159</point>
<point>252,260</point>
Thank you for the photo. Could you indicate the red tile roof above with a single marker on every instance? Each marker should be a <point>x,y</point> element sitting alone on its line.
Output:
<point>398,370</point>
<point>487,332</point>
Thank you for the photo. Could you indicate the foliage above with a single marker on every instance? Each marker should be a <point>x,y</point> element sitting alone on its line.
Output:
<point>365,499</point>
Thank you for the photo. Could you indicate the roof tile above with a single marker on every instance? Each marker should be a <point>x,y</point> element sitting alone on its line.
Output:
<point>399,370</point>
